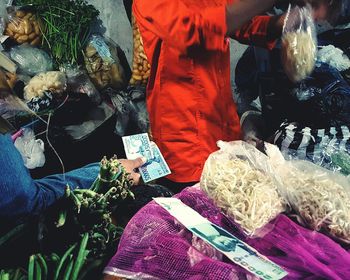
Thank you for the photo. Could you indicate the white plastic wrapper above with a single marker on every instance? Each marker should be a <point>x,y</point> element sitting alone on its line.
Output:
<point>299,43</point>
<point>31,149</point>
<point>243,185</point>
<point>320,197</point>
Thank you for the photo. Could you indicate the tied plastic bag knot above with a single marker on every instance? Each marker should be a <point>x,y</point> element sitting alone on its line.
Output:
<point>31,149</point>
<point>299,43</point>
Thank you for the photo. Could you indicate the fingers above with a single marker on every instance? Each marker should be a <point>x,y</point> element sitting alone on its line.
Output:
<point>136,177</point>
<point>139,162</point>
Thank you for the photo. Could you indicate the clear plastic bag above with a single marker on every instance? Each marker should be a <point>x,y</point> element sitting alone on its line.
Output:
<point>131,111</point>
<point>103,64</point>
<point>24,27</point>
<point>31,149</point>
<point>243,185</point>
<point>79,81</point>
<point>31,60</point>
<point>299,43</point>
<point>320,197</point>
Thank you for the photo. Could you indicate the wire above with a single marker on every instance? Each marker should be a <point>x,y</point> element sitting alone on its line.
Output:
<point>54,150</point>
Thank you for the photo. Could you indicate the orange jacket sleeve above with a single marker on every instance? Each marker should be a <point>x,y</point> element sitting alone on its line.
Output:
<point>179,26</point>
<point>255,33</point>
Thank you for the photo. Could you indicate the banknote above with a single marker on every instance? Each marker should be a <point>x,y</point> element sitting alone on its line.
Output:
<point>138,145</point>
<point>156,167</point>
<point>235,249</point>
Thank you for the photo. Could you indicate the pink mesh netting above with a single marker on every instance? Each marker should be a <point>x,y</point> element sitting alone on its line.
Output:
<point>155,246</point>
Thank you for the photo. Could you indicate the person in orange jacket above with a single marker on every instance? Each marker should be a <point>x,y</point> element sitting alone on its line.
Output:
<point>189,97</point>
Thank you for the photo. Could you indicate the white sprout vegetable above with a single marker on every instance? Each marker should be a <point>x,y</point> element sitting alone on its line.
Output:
<point>298,55</point>
<point>241,191</point>
<point>322,202</point>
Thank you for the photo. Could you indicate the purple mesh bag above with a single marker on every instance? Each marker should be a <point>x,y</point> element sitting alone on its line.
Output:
<point>155,246</point>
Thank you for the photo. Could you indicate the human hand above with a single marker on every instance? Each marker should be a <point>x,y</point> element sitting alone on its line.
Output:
<point>131,167</point>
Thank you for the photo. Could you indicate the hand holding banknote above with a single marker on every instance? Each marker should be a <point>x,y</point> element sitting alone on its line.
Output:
<point>139,145</point>
<point>131,167</point>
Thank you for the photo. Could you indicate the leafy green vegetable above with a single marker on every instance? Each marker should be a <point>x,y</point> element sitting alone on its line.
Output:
<point>65,26</point>
<point>341,160</point>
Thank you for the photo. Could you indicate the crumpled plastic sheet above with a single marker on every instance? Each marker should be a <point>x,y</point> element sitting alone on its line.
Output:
<point>31,60</point>
<point>31,149</point>
<point>131,110</point>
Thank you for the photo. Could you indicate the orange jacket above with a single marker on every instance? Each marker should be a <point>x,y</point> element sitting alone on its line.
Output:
<point>189,97</point>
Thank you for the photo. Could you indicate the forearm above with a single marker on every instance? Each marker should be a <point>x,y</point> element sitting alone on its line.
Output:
<point>241,12</point>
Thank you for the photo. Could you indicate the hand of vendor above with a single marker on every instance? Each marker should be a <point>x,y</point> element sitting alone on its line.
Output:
<point>131,167</point>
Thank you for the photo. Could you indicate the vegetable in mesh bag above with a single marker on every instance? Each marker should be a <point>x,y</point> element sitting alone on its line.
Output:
<point>102,63</point>
<point>299,46</point>
<point>241,183</point>
<point>141,69</point>
<point>24,27</point>
<point>320,197</point>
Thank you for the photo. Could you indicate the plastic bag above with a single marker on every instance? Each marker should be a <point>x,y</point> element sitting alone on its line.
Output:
<point>329,148</point>
<point>242,184</point>
<point>31,149</point>
<point>299,43</point>
<point>53,81</point>
<point>30,60</point>
<point>141,69</point>
<point>320,197</point>
<point>337,157</point>
<point>131,111</point>
<point>79,81</point>
<point>103,64</point>
<point>334,57</point>
<point>24,27</point>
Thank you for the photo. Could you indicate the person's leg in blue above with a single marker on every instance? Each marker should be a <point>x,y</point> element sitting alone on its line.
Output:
<point>21,196</point>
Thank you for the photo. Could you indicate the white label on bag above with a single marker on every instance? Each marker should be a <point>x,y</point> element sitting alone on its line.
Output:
<point>236,250</point>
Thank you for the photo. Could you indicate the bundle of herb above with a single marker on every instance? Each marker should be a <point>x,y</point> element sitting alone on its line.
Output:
<point>65,26</point>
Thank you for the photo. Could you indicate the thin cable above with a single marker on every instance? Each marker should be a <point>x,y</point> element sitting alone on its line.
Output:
<point>54,150</point>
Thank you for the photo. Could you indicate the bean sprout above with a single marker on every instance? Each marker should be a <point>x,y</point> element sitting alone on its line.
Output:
<point>242,192</point>
<point>320,201</point>
<point>298,55</point>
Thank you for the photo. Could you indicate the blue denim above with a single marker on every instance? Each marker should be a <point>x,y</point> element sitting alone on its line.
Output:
<point>21,196</point>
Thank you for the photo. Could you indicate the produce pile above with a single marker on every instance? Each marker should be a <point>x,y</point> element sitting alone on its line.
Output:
<point>79,235</point>
<point>141,69</point>
<point>24,27</point>
<point>65,26</point>
<point>252,188</point>
<point>50,50</point>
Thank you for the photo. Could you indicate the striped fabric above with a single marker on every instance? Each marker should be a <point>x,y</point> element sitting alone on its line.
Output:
<point>312,144</point>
